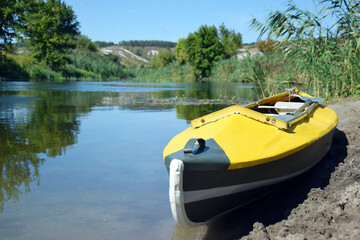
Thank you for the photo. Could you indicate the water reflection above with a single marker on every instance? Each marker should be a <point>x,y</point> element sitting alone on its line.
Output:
<point>190,112</point>
<point>39,121</point>
<point>28,127</point>
<point>15,162</point>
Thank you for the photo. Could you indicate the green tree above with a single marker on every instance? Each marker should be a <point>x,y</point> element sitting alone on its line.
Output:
<point>231,40</point>
<point>181,54</point>
<point>139,52</point>
<point>203,49</point>
<point>11,15</point>
<point>163,59</point>
<point>84,43</point>
<point>51,28</point>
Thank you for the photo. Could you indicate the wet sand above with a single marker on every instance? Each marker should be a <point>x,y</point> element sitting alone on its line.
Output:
<point>323,203</point>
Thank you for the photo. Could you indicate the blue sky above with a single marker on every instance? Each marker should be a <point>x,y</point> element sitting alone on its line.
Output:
<point>168,20</point>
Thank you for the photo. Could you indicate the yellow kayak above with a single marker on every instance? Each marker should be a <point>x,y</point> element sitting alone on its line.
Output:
<point>233,156</point>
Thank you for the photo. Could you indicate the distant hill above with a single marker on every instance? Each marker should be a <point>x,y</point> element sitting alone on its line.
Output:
<point>127,58</point>
<point>136,53</point>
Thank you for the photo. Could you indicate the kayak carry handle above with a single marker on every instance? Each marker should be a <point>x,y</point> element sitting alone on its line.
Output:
<point>190,144</point>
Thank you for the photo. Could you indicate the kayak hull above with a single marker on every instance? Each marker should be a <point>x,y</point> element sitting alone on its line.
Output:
<point>200,196</point>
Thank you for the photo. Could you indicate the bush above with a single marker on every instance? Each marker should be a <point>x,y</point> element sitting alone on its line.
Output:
<point>42,73</point>
<point>267,46</point>
<point>10,69</point>
<point>170,73</point>
<point>163,59</point>
<point>85,44</point>
<point>103,66</point>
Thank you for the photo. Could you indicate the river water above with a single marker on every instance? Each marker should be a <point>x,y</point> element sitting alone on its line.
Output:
<point>84,160</point>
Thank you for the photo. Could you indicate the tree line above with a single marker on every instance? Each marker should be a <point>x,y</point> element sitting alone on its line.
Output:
<point>102,44</point>
<point>202,49</point>
<point>138,43</point>
<point>321,49</point>
<point>50,32</point>
<point>148,43</point>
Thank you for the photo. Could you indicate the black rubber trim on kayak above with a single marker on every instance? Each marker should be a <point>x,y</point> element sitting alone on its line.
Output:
<point>190,145</point>
<point>211,157</point>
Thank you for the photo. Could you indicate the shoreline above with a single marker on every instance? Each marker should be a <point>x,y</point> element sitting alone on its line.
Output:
<point>326,201</point>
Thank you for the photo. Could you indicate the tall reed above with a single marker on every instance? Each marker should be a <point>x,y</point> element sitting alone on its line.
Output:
<point>325,45</point>
<point>170,73</point>
<point>92,64</point>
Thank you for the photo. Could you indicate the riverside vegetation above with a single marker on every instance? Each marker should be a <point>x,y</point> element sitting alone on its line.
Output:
<point>317,51</point>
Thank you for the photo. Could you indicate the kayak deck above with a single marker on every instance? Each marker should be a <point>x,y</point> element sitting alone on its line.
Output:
<point>257,133</point>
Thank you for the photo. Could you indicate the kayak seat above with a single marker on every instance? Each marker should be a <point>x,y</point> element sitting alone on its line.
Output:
<point>283,108</point>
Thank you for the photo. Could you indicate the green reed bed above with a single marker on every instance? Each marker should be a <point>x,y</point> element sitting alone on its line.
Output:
<point>169,73</point>
<point>86,64</point>
<point>260,69</point>
<point>24,67</point>
<point>82,65</point>
<point>325,46</point>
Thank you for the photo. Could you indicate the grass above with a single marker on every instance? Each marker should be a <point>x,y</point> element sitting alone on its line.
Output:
<point>84,65</point>
<point>170,73</point>
<point>92,65</point>
<point>322,72</point>
<point>326,53</point>
<point>23,67</point>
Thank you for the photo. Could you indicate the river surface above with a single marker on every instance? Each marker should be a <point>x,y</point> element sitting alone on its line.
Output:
<point>84,160</point>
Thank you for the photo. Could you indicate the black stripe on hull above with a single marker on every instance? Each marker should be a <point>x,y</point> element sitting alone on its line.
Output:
<point>296,162</point>
<point>205,210</point>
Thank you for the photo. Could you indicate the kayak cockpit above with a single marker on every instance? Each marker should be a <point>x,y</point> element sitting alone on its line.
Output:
<point>282,111</point>
<point>290,108</point>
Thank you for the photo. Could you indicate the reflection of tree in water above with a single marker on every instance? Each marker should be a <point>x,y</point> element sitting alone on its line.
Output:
<point>18,164</point>
<point>50,124</point>
<point>214,91</point>
<point>28,128</point>
<point>190,112</point>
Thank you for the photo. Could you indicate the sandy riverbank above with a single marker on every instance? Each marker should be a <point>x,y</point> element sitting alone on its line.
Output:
<point>324,204</point>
